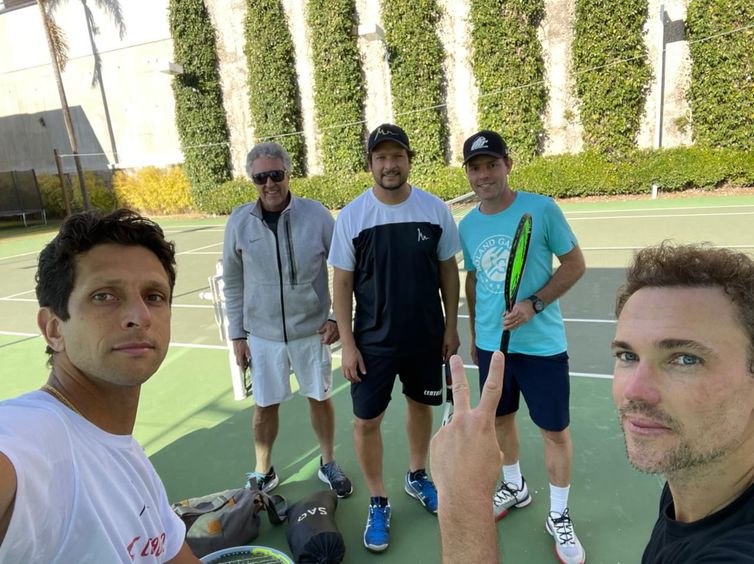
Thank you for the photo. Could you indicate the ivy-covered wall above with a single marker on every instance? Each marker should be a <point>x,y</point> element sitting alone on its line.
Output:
<point>273,85</point>
<point>721,96</point>
<point>509,71</point>
<point>199,112</point>
<point>339,89</point>
<point>612,72</point>
<point>417,79</point>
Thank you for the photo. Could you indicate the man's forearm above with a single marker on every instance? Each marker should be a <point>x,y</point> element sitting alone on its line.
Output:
<point>468,531</point>
<point>450,289</point>
<point>470,288</point>
<point>343,305</point>
<point>571,269</point>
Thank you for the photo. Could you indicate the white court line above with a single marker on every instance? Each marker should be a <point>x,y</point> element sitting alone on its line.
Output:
<point>218,252</point>
<point>659,216</point>
<point>662,209</point>
<point>199,248</point>
<point>335,354</point>
<point>592,375</point>
<point>566,319</point>
<point>19,334</point>
<point>642,246</point>
<point>16,295</point>
<point>183,306</point>
<point>172,344</point>
<point>198,346</point>
<point>21,255</point>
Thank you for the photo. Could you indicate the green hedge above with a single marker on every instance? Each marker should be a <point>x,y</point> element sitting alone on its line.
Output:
<point>339,90</point>
<point>561,176</point>
<point>505,56</point>
<point>613,95</point>
<point>590,173</point>
<point>721,96</point>
<point>199,112</point>
<point>273,84</point>
<point>416,77</point>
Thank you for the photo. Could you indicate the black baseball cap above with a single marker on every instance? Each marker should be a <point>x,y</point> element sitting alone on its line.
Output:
<point>485,142</point>
<point>388,132</point>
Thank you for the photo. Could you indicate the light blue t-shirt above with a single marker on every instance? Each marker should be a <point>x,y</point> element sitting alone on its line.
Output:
<point>486,242</point>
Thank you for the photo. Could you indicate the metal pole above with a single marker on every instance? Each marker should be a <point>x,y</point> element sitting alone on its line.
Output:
<point>660,78</point>
<point>660,87</point>
<point>66,202</point>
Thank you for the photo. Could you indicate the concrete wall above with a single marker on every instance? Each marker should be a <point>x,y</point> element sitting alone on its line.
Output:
<point>139,99</point>
<point>138,127</point>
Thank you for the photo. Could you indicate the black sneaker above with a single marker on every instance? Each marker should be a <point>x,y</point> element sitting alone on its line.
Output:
<point>264,482</point>
<point>333,475</point>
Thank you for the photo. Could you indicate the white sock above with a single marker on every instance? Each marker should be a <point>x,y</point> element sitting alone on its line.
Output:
<point>559,499</point>
<point>512,475</point>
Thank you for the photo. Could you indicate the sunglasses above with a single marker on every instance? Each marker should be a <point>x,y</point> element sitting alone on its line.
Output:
<point>260,179</point>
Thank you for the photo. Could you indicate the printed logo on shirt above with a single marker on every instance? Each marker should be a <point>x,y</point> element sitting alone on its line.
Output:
<point>421,236</point>
<point>491,261</point>
<point>151,546</point>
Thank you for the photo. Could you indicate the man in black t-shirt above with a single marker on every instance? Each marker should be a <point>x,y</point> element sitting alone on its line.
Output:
<point>684,388</point>
<point>394,250</point>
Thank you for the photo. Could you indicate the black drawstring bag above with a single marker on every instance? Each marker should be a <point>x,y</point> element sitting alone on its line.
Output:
<point>312,533</point>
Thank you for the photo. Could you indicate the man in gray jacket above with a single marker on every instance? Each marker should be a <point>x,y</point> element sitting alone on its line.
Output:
<point>278,306</point>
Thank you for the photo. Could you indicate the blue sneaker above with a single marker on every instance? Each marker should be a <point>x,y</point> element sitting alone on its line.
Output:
<point>423,489</point>
<point>377,531</point>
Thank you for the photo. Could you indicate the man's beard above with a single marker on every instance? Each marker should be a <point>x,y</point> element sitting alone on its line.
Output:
<point>679,458</point>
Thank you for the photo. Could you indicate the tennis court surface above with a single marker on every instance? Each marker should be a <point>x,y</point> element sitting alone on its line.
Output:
<point>199,437</point>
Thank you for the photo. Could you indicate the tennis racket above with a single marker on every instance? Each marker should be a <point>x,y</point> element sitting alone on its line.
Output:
<point>447,413</point>
<point>515,270</point>
<point>246,554</point>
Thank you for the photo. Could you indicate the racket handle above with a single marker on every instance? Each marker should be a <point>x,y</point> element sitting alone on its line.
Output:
<point>505,341</point>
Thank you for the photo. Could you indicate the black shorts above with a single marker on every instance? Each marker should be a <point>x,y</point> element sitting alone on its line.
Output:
<point>421,376</point>
<point>543,380</point>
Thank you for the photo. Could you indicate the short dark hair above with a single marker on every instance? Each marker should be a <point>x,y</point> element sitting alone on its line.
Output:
<point>695,266</point>
<point>56,270</point>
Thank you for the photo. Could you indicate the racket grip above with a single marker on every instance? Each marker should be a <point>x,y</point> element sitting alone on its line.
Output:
<point>506,339</point>
<point>448,384</point>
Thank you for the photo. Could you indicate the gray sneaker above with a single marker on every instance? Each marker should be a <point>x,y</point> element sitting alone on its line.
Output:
<point>265,482</point>
<point>508,496</point>
<point>333,475</point>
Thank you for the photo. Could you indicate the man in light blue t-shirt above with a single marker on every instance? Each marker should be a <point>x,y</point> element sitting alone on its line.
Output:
<point>537,363</point>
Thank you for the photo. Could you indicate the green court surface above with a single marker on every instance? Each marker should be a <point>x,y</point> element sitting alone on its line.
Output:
<point>199,437</point>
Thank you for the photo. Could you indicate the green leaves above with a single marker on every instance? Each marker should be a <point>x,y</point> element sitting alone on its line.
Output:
<point>199,112</point>
<point>509,71</point>
<point>721,96</point>
<point>273,85</point>
<point>612,72</point>
<point>417,77</point>
<point>339,90</point>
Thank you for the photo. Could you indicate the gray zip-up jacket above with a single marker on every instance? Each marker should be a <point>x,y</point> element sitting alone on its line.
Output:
<point>276,284</point>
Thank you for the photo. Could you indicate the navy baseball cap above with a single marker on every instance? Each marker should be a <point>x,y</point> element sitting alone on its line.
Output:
<point>485,142</point>
<point>387,132</point>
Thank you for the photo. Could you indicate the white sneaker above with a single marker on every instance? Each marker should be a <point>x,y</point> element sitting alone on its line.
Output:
<point>567,545</point>
<point>508,496</point>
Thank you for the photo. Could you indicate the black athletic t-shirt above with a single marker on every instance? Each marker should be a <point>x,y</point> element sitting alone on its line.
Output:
<point>393,251</point>
<point>726,536</point>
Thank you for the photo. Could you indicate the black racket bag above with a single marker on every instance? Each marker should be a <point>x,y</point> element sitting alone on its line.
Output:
<point>312,533</point>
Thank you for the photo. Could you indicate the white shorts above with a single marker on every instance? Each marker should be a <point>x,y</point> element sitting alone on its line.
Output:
<point>272,362</point>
